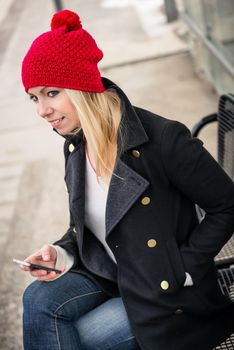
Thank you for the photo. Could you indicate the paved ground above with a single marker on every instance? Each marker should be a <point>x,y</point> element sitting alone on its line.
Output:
<point>142,54</point>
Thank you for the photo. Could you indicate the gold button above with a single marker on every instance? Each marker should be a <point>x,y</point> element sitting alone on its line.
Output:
<point>74,229</point>
<point>151,243</point>
<point>179,312</point>
<point>136,153</point>
<point>71,147</point>
<point>164,285</point>
<point>145,200</point>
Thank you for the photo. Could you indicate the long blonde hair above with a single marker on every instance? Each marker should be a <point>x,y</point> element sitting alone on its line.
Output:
<point>100,117</point>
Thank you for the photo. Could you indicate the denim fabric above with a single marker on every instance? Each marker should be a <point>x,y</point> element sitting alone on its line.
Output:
<point>73,313</point>
<point>106,327</point>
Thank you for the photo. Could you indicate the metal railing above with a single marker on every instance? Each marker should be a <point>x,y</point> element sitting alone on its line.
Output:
<point>208,44</point>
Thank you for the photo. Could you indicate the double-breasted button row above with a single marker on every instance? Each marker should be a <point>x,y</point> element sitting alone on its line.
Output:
<point>152,243</point>
<point>145,200</point>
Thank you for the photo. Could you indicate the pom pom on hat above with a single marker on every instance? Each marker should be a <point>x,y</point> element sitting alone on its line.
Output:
<point>66,18</point>
<point>65,57</point>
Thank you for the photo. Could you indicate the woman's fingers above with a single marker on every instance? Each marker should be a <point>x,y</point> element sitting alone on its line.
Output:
<point>47,253</point>
<point>48,277</point>
<point>46,256</point>
<point>25,268</point>
<point>43,254</point>
<point>38,273</point>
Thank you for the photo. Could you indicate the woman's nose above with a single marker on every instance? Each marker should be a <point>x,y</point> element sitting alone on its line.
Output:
<point>44,110</point>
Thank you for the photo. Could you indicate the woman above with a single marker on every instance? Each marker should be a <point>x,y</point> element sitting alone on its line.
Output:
<point>137,266</point>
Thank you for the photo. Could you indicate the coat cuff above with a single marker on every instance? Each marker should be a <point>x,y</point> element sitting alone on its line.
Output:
<point>64,260</point>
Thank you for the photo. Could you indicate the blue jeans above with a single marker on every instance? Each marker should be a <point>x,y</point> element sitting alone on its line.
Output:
<point>73,313</point>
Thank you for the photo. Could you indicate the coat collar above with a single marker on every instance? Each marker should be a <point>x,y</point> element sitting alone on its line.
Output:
<point>133,133</point>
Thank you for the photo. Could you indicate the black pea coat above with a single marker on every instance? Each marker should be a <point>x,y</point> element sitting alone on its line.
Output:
<point>153,231</point>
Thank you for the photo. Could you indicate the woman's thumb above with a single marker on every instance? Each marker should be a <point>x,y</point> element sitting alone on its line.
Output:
<point>46,253</point>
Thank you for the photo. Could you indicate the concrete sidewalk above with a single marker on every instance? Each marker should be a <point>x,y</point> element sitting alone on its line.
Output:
<point>143,55</point>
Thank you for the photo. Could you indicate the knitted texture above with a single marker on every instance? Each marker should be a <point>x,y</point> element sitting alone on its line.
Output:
<point>66,57</point>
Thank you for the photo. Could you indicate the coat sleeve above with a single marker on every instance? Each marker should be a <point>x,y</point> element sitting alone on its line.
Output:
<point>195,173</point>
<point>68,240</point>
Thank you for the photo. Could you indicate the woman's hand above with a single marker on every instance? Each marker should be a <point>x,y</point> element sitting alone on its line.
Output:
<point>46,256</point>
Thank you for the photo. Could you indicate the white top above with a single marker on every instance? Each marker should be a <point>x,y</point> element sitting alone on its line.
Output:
<point>95,205</point>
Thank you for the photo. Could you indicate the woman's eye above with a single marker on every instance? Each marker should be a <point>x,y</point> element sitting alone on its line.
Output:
<point>52,93</point>
<point>33,98</point>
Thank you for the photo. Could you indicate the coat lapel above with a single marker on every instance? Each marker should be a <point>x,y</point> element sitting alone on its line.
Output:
<point>126,185</point>
<point>125,188</point>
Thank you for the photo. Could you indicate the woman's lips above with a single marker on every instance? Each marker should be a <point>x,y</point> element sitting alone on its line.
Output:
<point>56,123</point>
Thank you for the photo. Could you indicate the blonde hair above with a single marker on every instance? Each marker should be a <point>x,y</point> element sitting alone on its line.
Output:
<point>100,117</point>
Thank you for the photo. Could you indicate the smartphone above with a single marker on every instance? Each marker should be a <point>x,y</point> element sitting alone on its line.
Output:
<point>35,266</point>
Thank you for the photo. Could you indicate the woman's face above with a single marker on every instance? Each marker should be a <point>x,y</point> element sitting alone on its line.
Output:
<point>54,105</point>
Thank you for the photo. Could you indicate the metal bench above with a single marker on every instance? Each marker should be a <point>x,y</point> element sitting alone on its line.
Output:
<point>225,259</point>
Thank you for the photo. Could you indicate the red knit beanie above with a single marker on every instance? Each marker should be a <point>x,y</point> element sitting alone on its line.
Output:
<point>66,57</point>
